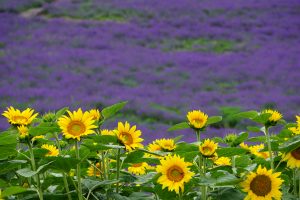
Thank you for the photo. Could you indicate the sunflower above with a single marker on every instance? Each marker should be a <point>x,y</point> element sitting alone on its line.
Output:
<point>256,150</point>
<point>262,185</point>
<point>292,158</point>
<point>154,147</point>
<point>208,148</point>
<point>296,130</point>
<point>197,119</point>
<point>174,173</point>
<point>16,117</point>
<point>222,161</point>
<point>166,144</point>
<point>37,137</point>
<point>139,168</point>
<point>107,132</point>
<point>52,150</point>
<point>77,124</point>
<point>275,115</point>
<point>129,137</point>
<point>244,146</point>
<point>94,170</point>
<point>23,131</point>
<point>95,114</point>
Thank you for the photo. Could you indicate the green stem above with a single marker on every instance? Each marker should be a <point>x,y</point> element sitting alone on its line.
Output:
<point>299,184</point>
<point>37,176</point>
<point>64,175</point>
<point>233,161</point>
<point>203,188</point>
<point>118,169</point>
<point>103,165</point>
<point>269,147</point>
<point>78,173</point>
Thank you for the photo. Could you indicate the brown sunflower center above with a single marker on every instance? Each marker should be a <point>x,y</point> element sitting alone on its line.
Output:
<point>175,173</point>
<point>20,119</point>
<point>261,185</point>
<point>76,128</point>
<point>296,153</point>
<point>126,138</point>
<point>137,165</point>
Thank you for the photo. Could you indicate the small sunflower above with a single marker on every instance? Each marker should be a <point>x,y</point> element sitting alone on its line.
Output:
<point>52,150</point>
<point>77,124</point>
<point>275,115</point>
<point>154,147</point>
<point>129,137</point>
<point>174,173</point>
<point>95,114</point>
<point>244,146</point>
<point>197,119</point>
<point>23,131</point>
<point>295,130</point>
<point>37,137</point>
<point>262,185</point>
<point>292,158</point>
<point>108,132</point>
<point>16,117</point>
<point>222,161</point>
<point>166,144</point>
<point>138,168</point>
<point>94,170</point>
<point>208,148</point>
<point>256,150</point>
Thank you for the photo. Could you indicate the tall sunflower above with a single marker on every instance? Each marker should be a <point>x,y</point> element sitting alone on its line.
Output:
<point>52,150</point>
<point>262,185</point>
<point>174,173</point>
<point>16,117</point>
<point>197,119</point>
<point>292,158</point>
<point>129,136</point>
<point>77,124</point>
<point>275,115</point>
<point>208,148</point>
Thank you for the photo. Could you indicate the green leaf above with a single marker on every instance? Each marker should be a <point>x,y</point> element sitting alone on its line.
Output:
<point>248,114</point>
<point>213,120</point>
<point>12,190</point>
<point>227,193</point>
<point>242,161</point>
<point>44,128</point>
<point>253,129</point>
<point>179,126</point>
<point>230,151</point>
<point>62,163</point>
<point>27,172</point>
<point>113,109</point>
<point>61,112</point>
<point>262,118</point>
<point>8,138</point>
<point>291,144</point>
<point>241,138</point>
<point>257,139</point>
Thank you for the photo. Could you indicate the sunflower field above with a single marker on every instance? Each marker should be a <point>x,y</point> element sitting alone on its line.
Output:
<point>68,155</point>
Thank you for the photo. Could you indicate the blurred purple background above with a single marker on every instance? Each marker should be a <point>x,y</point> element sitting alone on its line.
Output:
<point>164,57</point>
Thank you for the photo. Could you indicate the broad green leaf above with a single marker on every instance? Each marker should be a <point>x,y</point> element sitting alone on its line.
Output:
<point>44,128</point>
<point>227,193</point>
<point>230,151</point>
<point>12,190</point>
<point>62,163</point>
<point>8,138</point>
<point>6,151</point>
<point>61,112</point>
<point>27,172</point>
<point>248,114</point>
<point>213,120</point>
<point>179,126</point>
<point>262,118</point>
<point>257,139</point>
<point>93,184</point>
<point>241,138</point>
<point>242,161</point>
<point>253,129</point>
<point>104,139</point>
<point>291,144</point>
<point>112,110</point>
<point>178,138</point>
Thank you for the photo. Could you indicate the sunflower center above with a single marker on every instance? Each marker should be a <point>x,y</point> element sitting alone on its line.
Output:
<point>207,150</point>
<point>20,119</point>
<point>198,121</point>
<point>261,185</point>
<point>137,165</point>
<point>296,153</point>
<point>76,128</point>
<point>175,173</point>
<point>126,138</point>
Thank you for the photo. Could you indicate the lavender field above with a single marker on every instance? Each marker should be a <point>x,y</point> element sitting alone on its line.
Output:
<point>163,57</point>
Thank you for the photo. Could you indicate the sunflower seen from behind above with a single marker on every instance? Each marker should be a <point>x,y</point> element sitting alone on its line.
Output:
<point>262,185</point>
<point>17,117</point>
<point>197,119</point>
<point>274,117</point>
<point>129,136</point>
<point>175,173</point>
<point>76,124</point>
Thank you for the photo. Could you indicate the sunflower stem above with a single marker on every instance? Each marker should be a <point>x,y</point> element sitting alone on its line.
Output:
<point>64,175</point>
<point>203,188</point>
<point>37,176</point>
<point>78,173</point>
<point>269,147</point>
<point>118,169</point>
<point>103,165</point>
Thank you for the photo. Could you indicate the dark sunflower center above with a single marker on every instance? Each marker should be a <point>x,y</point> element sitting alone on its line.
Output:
<point>198,121</point>
<point>207,150</point>
<point>261,185</point>
<point>296,153</point>
<point>76,128</point>
<point>20,119</point>
<point>137,165</point>
<point>175,173</point>
<point>127,138</point>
